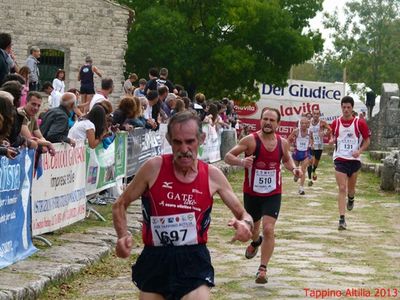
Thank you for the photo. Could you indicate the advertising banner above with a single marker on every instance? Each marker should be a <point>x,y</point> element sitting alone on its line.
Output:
<point>142,145</point>
<point>297,98</point>
<point>58,190</point>
<point>104,166</point>
<point>15,215</point>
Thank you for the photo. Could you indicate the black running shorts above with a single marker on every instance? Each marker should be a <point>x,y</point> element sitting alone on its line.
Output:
<point>173,271</point>
<point>259,206</point>
<point>348,167</point>
<point>317,154</point>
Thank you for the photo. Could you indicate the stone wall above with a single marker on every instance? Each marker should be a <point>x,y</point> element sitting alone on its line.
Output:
<point>98,28</point>
<point>390,177</point>
<point>385,126</point>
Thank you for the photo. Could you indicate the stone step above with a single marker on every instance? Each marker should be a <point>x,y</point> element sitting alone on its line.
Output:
<point>375,168</point>
<point>378,155</point>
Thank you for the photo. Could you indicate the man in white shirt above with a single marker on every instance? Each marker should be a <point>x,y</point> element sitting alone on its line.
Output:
<point>107,87</point>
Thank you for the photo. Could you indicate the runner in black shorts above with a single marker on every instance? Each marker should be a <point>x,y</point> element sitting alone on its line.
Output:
<point>173,271</point>
<point>175,262</point>
<point>264,151</point>
<point>258,206</point>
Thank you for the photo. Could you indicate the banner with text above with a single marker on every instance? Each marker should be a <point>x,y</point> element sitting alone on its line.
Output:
<point>58,191</point>
<point>142,145</point>
<point>297,98</point>
<point>15,215</point>
<point>104,166</point>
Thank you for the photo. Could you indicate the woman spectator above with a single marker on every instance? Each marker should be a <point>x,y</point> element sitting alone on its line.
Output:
<point>213,117</point>
<point>92,126</point>
<point>126,110</point>
<point>24,72</point>
<point>58,82</point>
<point>138,120</point>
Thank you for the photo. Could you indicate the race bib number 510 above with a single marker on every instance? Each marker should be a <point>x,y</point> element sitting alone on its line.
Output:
<point>176,230</point>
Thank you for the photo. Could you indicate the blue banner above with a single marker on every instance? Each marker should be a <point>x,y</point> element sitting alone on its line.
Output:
<point>15,208</point>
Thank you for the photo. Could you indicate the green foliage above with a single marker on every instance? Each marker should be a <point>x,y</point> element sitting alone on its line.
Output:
<point>368,42</point>
<point>221,47</point>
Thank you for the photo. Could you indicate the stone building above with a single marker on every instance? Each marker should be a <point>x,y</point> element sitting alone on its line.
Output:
<point>68,31</point>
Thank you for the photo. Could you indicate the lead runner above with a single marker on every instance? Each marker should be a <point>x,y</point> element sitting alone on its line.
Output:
<point>177,200</point>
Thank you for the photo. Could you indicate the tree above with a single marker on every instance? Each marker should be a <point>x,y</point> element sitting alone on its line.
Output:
<point>221,47</point>
<point>368,42</point>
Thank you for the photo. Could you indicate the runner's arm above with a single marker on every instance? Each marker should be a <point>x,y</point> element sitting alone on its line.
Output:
<point>231,158</point>
<point>243,222</point>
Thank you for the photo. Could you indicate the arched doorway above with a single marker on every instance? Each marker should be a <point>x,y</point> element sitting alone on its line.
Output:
<point>50,61</point>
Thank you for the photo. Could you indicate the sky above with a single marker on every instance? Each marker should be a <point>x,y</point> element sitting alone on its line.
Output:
<point>328,6</point>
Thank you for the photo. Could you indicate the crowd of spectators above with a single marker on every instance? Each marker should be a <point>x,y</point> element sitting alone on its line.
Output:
<point>84,113</point>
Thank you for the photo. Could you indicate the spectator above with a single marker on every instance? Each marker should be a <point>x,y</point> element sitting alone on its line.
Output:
<point>125,110</point>
<point>107,87</point>
<point>151,84</point>
<point>179,106</point>
<point>85,76</point>
<point>164,81</point>
<point>6,121</point>
<point>30,129</point>
<point>140,120</point>
<point>5,49</point>
<point>169,104</point>
<point>24,72</point>
<point>92,127</point>
<point>15,138</point>
<point>153,109</point>
<point>214,119</point>
<point>139,92</point>
<point>128,87</point>
<point>76,113</point>
<point>187,102</point>
<point>32,63</point>
<point>54,96</point>
<point>199,104</point>
<point>58,82</point>
<point>54,125</point>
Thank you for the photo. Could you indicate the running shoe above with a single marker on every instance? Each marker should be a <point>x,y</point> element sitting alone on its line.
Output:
<point>310,183</point>
<point>350,204</point>
<point>261,275</point>
<point>342,225</point>
<point>252,249</point>
<point>301,191</point>
<point>295,178</point>
<point>314,176</point>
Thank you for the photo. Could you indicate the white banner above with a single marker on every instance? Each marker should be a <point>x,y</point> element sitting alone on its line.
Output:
<point>299,97</point>
<point>58,189</point>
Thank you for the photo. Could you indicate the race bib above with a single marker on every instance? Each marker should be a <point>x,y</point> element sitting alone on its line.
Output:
<point>176,230</point>
<point>348,146</point>
<point>264,181</point>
